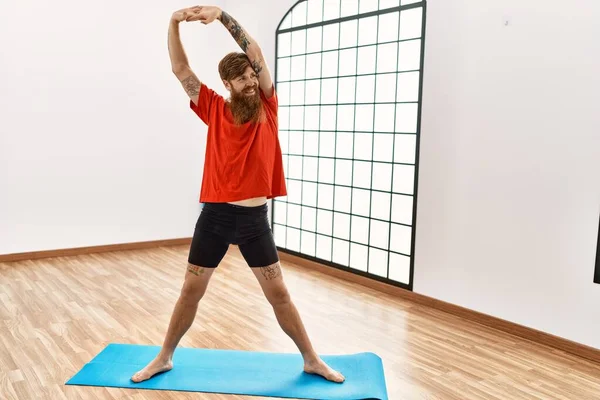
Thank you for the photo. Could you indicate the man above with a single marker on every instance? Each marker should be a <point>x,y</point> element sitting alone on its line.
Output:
<point>243,169</point>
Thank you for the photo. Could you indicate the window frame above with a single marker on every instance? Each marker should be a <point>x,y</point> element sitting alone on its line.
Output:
<point>414,194</point>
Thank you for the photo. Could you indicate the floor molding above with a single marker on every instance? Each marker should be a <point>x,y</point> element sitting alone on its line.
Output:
<point>512,328</point>
<point>93,249</point>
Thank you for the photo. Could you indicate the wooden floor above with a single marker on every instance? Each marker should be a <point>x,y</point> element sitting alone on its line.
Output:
<point>56,314</point>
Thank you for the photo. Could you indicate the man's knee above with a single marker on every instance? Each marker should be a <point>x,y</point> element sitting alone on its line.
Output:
<point>279,296</point>
<point>194,287</point>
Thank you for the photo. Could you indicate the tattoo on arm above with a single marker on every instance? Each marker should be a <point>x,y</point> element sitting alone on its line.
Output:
<point>271,272</point>
<point>193,269</point>
<point>191,85</point>
<point>236,30</point>
<point>257,66</point>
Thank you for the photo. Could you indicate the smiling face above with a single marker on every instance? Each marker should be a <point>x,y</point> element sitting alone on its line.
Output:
<point>242,82</point>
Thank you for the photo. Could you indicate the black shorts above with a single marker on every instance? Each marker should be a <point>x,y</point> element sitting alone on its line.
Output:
<point>222,224</point>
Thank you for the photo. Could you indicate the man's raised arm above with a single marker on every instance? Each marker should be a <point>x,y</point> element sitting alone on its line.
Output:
<point>208,14</point>
<point>179,62</point>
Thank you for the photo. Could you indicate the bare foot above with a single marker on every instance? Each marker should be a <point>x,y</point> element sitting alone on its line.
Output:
<point>318,367</point>
<point>156,366</point>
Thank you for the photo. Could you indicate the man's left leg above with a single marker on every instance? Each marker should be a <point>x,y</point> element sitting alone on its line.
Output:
<point>273,286</point>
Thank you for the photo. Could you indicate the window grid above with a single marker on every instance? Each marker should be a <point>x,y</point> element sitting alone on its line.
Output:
<point>358,46</point>
<point>296,130</point>
<point>342,212</point>
<point>349,241</point>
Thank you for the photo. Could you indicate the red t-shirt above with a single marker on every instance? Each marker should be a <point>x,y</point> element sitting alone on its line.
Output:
<point>241,162</point>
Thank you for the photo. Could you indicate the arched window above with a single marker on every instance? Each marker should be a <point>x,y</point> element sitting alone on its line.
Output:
<point>349,78</point>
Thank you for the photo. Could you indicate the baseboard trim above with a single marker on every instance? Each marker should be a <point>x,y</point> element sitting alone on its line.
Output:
<point>92,249</point>
<point>512,328</point>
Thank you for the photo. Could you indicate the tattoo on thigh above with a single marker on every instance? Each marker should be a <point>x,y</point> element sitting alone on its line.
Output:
<point>195,270</point>
<point>271,272</point>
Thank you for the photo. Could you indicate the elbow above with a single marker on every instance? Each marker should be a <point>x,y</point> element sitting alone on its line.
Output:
<point>179,69</point>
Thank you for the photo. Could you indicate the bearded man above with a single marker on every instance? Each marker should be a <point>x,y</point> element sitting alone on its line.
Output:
<point>243,168</point>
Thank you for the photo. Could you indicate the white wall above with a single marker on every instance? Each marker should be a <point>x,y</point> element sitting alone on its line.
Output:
<point>97,142</point>
<point>510,158</point>
<point>509,191</point>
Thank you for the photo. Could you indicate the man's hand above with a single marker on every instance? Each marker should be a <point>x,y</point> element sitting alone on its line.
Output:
<point>186,14</point>
<point>204,14</point>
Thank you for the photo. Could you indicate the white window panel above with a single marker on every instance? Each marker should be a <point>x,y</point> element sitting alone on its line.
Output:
<point>363,146</point>
<point>299,69</point>
<point>341,252</point>
<point>406,118</point>
<point>293,239</point>
<point>341,226</point>
<point>380,206</point>
<point>326,166</point>
<point>383,147</point>
<point>310,172</point>
<point>280,212</point>
<point>405,148</point>
<point>349,34</point>
<point>362,175</point>
<point>331,36</point>
<point>400,240</point>
<point>279,234</point>
<point>359,256</point>
<point>366,60</point>
<point>343,172</point>
<point>298,42</point>
<point>360,230</point>
<point>349,7</point>
<point>365,89</point>
<point>284,44</point>
<point>309,219</point>
<point>342,199</point>
<point>299,14</point>
<point>404,179</point>
<point>294,193</point>
<point>313,93</point>
<point>314,37</point>
<point>379,235</point>
<point>348,62</point>
<point>345,118</point>
<point>313,66</point>
<point>311,144</point>
<point>408,87</point>
<point>361,202</point>
<point>378,262</point>
<point>293,218</point>
<point>324,246</point>
<point>399,268</point>
<point>309,194</point>
<point>308,243</point>
<point>388,27</point>
<point>283,69</point>
<point>411,23</point>
<point>331,9</point>
<point>402,209</point>
<point>315,11</point>
<point>325,222</point>
<point>409,55</point>
<point>344,145</point>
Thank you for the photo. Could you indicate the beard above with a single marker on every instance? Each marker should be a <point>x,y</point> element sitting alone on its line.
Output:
<point>246,108</point>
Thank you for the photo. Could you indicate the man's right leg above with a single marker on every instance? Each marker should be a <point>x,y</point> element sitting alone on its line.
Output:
<point>194,287</point>
<point>206,252</point>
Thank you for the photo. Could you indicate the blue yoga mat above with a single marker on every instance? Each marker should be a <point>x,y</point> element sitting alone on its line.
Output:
<point>236,372</point>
